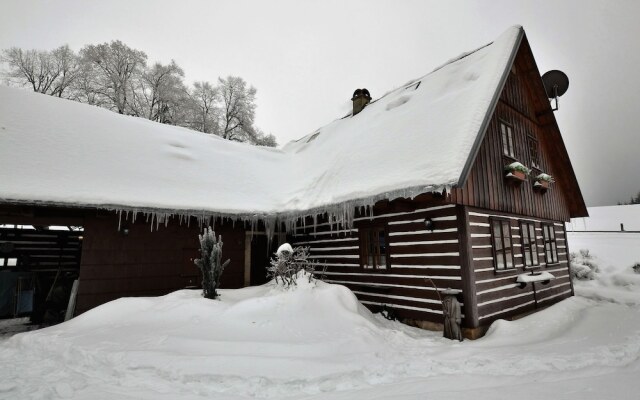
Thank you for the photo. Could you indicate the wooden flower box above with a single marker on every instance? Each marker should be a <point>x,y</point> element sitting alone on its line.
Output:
<point>516,175</point>
<point>541,185</point>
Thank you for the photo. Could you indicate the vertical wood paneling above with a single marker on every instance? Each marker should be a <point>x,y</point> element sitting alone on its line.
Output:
<point>148,263</point>
<point>487,187</point>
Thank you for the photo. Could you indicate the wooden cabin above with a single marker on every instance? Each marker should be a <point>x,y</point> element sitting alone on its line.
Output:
<point>407,196</point>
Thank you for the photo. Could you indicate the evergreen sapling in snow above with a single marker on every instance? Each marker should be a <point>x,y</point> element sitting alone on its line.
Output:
<point>210,264</point>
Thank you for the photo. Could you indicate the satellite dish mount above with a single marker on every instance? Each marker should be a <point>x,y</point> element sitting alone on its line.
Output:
<point>556,84</point>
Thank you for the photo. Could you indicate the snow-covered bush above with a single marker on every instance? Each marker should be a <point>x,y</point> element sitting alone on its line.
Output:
<point>636,268</point>
<point>287,264</point>
<point>516,166</point>
<point>545,178</point>
<point>583,266</point>
<point>210,264</point>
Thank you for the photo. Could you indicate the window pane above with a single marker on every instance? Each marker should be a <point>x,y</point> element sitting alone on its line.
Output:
<point>499,260</point>
<point>382,248</point>
<point>505,142</point>
<point>554,252</point>
<point>497,237</point>
<point>506,231</point>
<point>534,244</point>
<point>372,249</point>
<point>509,256</point>
<point>510,136</point>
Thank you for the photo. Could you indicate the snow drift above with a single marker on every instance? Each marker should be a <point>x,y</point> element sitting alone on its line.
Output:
<point>316,341</point>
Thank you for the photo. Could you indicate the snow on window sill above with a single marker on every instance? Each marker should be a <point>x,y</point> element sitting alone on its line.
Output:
<point>535,277</point>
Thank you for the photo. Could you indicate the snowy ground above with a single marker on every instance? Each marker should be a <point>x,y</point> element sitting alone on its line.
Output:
<point>317,342</point>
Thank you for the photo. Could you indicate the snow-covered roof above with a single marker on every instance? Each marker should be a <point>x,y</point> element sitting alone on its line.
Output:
<point>415,139</point>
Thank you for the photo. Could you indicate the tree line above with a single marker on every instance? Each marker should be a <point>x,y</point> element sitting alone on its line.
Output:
<point>117,77</point>
<point>633,200</point>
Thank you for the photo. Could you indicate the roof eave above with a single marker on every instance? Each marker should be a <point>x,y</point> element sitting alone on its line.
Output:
<point>466,170</point>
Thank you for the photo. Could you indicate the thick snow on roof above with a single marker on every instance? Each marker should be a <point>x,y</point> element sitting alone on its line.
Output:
<point>414,139</point>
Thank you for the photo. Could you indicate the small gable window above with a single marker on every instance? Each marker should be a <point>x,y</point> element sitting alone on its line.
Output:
<point>374,249</point>
<point>502,244</point>
<point>550,246</point>
<point>534,152</point>
<point>508,147</point>
<point>529,244</point>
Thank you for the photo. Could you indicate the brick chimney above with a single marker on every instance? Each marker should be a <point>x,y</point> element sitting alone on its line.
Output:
<point>360,99</point>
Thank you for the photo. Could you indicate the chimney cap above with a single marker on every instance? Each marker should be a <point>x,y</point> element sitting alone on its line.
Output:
<point>361,93</point>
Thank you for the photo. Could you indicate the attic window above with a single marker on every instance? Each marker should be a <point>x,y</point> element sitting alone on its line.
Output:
<point>533,151</point>
<point>374,248</point>
<point>508,147</point>
<point>313,137</point>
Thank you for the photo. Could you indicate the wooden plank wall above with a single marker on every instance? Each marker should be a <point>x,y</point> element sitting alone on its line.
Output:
<point>415,253</point>
<point>148,263</point>
<point>498,296</point>
<point>487,187</point>
<point>41,249</point>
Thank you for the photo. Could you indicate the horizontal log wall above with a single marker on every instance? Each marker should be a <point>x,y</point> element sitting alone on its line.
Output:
<point>416,255</point>
<point>497,293</point>
<point>148,263</point>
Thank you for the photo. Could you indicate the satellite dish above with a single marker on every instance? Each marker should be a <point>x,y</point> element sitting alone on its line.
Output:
<point>556,84</point>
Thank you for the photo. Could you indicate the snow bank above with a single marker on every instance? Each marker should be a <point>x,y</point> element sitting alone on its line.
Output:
<point>316,341</point>
<point>615,253</point>
<point>413,140</point>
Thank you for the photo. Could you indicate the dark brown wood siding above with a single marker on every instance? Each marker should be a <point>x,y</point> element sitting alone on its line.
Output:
<point>146,262</point>
<point>417,257</point>
<point>487,187</point>
<point>497,293</point>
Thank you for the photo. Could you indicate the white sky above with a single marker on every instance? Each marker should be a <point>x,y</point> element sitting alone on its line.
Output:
<point>306,57</point>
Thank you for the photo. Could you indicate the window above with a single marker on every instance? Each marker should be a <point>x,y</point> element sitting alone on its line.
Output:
<point>529,244</point>
<point>502,244</point>
<point>550,247</point>
<point>533,151</point>
<point>507,139</point>
<point>373,248</point>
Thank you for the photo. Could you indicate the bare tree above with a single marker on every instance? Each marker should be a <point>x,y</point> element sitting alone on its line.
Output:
<point>238,109</point>
<point>115,76</point>
<point>49,72</point>
<point>160,93</point>
<point>111,68</point>
<point>203,98</point>
<point>263,139</point>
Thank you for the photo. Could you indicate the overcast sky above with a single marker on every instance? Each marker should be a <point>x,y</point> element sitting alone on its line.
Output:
<point>306,57</point>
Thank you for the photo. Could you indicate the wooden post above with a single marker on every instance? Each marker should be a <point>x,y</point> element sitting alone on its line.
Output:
<point>471,319</point>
